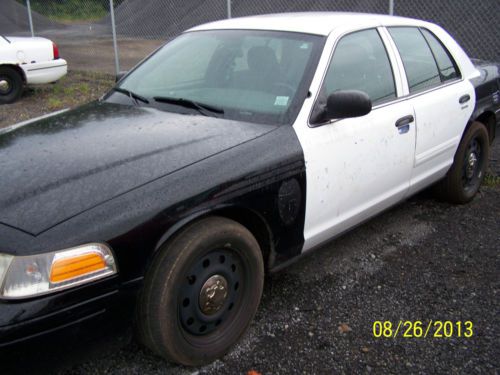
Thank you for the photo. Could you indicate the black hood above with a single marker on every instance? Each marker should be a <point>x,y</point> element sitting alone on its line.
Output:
<point>57,167</point>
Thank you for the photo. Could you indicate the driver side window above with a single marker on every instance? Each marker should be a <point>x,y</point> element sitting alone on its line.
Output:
<point>360,62</point>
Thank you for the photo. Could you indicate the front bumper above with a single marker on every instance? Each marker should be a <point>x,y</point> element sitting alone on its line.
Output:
<point>93,307</point>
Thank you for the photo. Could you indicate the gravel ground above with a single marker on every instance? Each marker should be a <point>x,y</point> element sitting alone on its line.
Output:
<point>421,260</point>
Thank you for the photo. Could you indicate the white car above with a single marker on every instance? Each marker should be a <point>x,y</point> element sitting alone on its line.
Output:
<point>27,61</point>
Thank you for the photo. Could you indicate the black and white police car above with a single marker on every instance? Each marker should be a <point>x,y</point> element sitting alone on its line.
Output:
<point>233,149</point>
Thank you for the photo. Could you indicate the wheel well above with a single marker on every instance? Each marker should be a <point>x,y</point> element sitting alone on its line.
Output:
<point>246,217</point>
<point>254,223</point>
<point>488,119</point>
<point>17,68</point>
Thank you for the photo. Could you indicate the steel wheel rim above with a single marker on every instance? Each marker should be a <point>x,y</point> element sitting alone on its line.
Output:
<point>472,165</point>
<point>200,281</point>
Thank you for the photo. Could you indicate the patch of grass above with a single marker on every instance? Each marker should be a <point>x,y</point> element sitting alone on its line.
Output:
<point>83,88</point>
<point>72,10</point>
<point>75,89</point>
<point>54,104</point>
<point>491,181</point>
<point>78,88</point>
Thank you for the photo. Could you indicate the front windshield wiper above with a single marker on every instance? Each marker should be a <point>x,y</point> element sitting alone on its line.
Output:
<point>187,103</point>
<point>135,97</point>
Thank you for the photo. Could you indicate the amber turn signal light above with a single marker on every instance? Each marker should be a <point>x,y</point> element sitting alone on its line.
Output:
<point>69,268</point>
<point>38,274</point>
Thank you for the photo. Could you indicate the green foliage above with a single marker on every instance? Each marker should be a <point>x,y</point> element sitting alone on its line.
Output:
<point>54,104</point>
<point>491,181</point>
<point>72,10</point>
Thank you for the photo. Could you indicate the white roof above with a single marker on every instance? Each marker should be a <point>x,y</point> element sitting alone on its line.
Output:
<point>320,23</point>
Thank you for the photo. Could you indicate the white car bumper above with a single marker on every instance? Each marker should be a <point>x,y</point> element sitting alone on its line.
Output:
<point>45,72</point>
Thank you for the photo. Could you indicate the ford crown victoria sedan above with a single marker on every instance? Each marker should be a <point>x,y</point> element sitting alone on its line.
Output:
<point>232,150</point>
<point>27,61</point>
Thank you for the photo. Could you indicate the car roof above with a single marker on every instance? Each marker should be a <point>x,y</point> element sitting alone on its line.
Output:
<point>320,23</point>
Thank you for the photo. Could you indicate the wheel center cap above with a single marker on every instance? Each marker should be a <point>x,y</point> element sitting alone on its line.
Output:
<point>213,294</point>
<point>4,85</point>
<point>471,165</point>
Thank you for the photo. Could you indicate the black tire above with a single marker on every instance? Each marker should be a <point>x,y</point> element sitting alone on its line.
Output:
<point>465,176</point>
<point>11,85</point>
<point>171,320</point>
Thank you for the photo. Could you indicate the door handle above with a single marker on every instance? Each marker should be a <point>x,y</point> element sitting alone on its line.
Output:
<point>403,121</point>
<point>464,99</point>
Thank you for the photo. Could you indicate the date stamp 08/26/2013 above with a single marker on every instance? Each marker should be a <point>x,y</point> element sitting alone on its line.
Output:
<point>422,329</point>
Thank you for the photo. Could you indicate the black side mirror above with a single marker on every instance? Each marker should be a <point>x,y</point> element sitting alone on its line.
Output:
<point>120,75</point>
<point>347,103</point>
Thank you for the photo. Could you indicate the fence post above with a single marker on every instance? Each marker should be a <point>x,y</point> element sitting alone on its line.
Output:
<point>113,30</point>
<point>28,5</point>
<point>228,8</point>
<point>391,7</point>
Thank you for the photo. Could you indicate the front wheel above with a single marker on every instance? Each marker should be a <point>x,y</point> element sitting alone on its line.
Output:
<point>465,176</point>
<point>201,292</point>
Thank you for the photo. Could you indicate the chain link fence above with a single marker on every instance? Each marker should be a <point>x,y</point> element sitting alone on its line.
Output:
<point>474,24</point>
<point>83,28</point>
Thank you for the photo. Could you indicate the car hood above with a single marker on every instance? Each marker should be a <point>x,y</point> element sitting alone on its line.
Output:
<point>57,167</point>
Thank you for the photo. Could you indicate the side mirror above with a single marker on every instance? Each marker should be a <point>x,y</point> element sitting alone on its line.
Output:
<point>120,75</point>
<point>347,103</point>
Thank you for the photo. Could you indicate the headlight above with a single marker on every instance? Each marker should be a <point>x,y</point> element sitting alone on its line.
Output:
<point>29,276</point>
<point>4,265</point>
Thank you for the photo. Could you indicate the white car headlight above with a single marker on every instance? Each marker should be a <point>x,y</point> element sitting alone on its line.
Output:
<point>30,276</point>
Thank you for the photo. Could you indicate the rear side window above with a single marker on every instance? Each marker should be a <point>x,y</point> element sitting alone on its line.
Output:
<point>447,67</point>
<point>420,66</point>
<point>360,62</point>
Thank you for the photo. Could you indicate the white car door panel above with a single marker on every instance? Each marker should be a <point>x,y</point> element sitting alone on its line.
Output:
<point>440,122</point>
<point>357,167</point>
<point>442,102</point>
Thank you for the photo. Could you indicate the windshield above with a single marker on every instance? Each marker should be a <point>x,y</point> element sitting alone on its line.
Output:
<point>255,76</point>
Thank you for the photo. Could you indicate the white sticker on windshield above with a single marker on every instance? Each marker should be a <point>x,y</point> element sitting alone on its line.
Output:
<point>281,101</point>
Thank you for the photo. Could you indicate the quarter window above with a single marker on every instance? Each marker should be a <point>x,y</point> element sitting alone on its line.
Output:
<point>360,62</point>
<point>447,67</point>
<point>420,66</point>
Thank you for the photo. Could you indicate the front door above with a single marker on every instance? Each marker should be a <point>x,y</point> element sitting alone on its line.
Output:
<point>357,167</point>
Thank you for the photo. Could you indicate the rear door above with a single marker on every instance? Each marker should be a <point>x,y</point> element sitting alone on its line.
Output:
<point>441,99</point>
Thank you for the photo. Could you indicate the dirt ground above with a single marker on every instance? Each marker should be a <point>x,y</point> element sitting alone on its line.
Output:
<point>97,54</point>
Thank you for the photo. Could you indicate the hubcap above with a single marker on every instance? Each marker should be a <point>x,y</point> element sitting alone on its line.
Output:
<point>4,86</point>
<point>471,172</point>
<point>471,165</point>
<point>213,294</point>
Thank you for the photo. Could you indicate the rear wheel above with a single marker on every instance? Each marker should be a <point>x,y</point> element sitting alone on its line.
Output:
<point>201,292</point>
<point>11,85</point>
<point>465,176</point>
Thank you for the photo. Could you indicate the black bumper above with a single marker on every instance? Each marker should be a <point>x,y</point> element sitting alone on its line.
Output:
<point>87,310</point>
